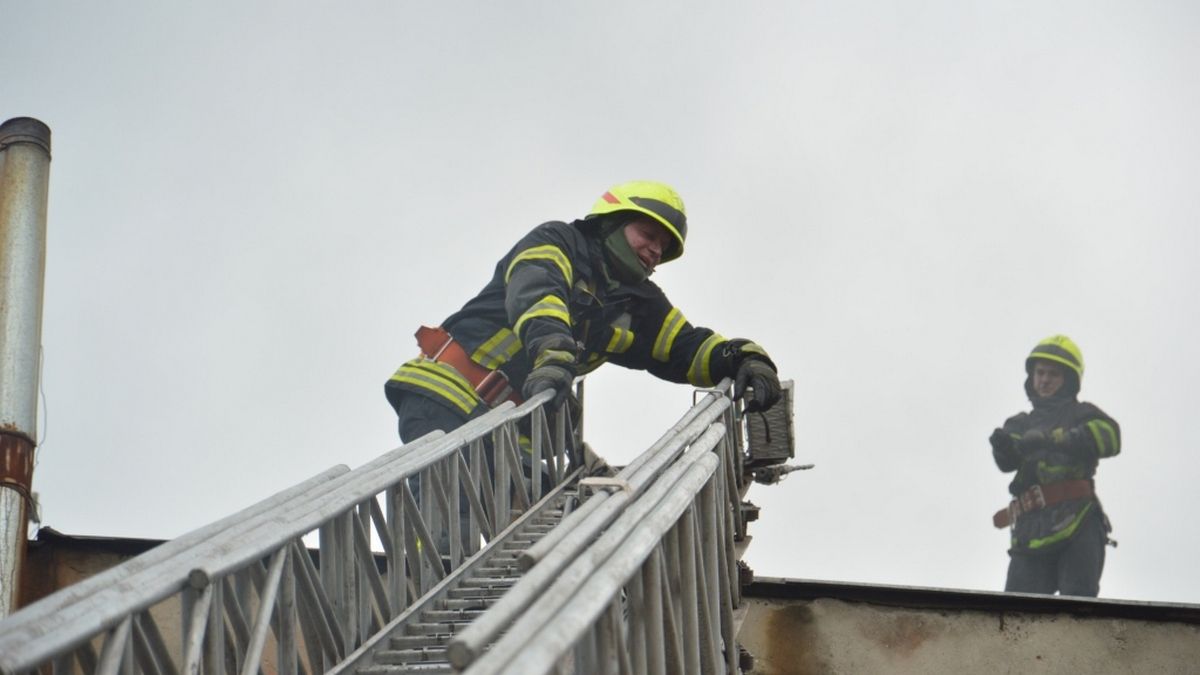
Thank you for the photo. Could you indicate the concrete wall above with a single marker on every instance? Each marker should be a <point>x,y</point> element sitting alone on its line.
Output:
<point>805,636</point>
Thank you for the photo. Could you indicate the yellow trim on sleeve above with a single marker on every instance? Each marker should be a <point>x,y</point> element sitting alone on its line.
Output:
<point>620,342</point>
<point>672,324</point>
<point>550,306</point>
<point>700,374</point>
<point>498,350</point>
<point>544,252</point>
<point>1105,436</point>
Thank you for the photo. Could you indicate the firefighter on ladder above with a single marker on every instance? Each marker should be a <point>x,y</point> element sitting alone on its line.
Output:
<point>565,299</point>
<point>1059,529</point>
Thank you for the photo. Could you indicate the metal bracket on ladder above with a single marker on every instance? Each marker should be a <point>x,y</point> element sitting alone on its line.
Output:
<point>593,483</point>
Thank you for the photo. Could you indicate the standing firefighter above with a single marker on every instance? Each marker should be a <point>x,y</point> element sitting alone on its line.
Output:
<point>1059,529</point>
<point>566,299</point>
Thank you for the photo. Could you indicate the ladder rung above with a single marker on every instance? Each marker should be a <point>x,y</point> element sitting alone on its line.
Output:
<point>490,593</point>
<point>400,642</point>
<point>411,669</point>
<point>490,574</point>
<point>467,603</point>
<point>456,615</point>
<point>399,657</point>
<point>434,628</point>
<point>488,582</point>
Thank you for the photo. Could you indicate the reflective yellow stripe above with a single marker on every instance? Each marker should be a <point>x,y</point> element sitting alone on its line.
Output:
<point>553,356</point>
<point>545,252</point>
<point>1101,432</point>
<point>667,334</point>
<point>551,306</point>
<point>699,374</point>
<point>620,342</point>
<point>752,348</point>
<point>440,379</point>
<point>498,350</point>
<point>1062,534</point>
<point>440,370</point>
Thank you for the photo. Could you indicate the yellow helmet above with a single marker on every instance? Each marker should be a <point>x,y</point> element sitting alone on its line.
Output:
<point>656,200</point>
<point>1060,349</point>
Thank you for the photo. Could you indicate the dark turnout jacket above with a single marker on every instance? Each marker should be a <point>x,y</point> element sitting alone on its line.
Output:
<point>1079,435</point>
<point>552,292</point>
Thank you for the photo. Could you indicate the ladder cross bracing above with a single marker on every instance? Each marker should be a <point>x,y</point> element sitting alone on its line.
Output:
<point>633,573</point>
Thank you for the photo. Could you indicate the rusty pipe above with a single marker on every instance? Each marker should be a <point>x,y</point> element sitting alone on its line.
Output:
<point>24,186</point>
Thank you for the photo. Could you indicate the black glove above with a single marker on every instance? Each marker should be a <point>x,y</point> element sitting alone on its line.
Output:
<point>1032,441</point>
<point>1004,450</point>
<point>1002,442</point>
<point>761,377</point>
<point>552,369</point>
<point>546,377</point>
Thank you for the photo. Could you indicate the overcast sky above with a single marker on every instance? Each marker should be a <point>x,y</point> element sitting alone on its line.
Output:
<point>254,205</point>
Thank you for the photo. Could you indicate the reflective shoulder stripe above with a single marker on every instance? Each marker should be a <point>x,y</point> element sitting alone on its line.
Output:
<point>497,350</point>
<point>1064,533</point>
<point>671,326</point>
<point>544,252</point>
<point>551,306</point>
<point>1105,436</point>
<point>440,379</point>
<point>699,374</point>
<point>620,342</point>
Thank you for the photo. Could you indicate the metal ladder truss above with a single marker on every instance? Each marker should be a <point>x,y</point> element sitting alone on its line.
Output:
<point>243,595</point>
<point>641,578</point>
<point>416,640</point>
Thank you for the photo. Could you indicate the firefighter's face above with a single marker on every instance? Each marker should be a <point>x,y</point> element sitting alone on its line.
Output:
<point>1048,378</point>
<point>648,240</point>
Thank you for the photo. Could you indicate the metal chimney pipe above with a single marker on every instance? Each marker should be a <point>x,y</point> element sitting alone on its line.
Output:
<point>24,184</point>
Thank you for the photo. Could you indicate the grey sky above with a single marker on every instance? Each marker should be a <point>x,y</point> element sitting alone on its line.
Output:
<point>252,208</point>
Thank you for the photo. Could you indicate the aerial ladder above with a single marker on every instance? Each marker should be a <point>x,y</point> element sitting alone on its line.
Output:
<point>509,559</point>
<point>633,572</point>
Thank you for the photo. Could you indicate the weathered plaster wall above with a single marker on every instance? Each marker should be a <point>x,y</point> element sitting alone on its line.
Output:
<point>829,636</point>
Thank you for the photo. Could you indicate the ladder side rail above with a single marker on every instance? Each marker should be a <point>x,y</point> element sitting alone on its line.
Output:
<point>358,486</point>
<point>72,617</point>
<point>539,550</point>
<point>731,489</point>
<point>585,592</point>
<point>364,593</point>
<point>24,624</point>
<point>669,646</point>
<point>372,601</point>
<point>580,528</point>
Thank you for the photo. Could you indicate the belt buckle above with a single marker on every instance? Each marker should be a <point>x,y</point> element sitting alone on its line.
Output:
<point>1039,497</point>
<point>494,388</point>
<point>1033,499</point>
